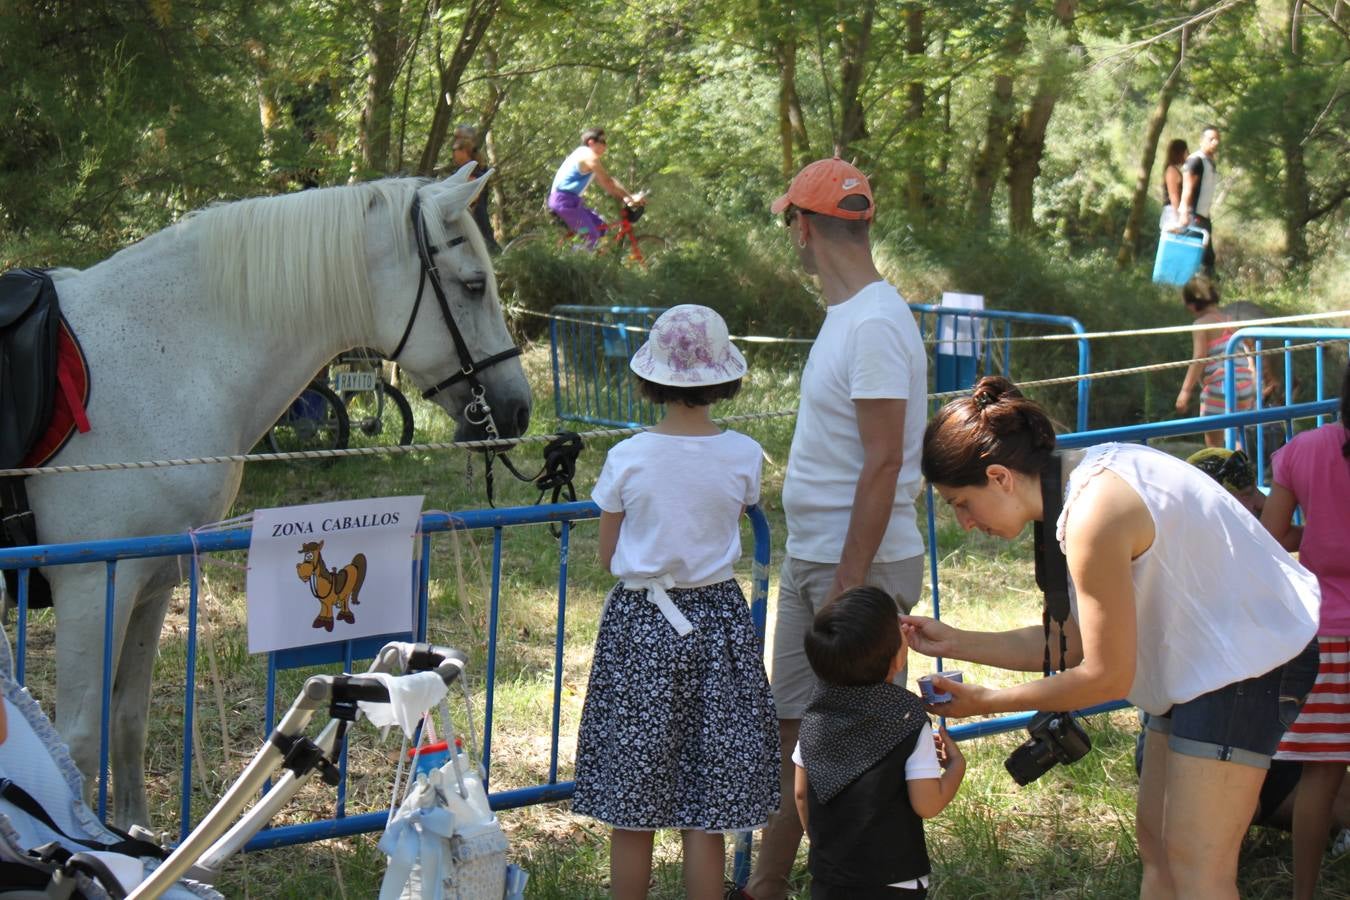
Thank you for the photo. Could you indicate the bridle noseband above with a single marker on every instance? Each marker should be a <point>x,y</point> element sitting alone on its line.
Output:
<point>477,411</point>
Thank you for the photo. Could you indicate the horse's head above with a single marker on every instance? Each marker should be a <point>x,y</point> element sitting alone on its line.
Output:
<point>449,333</point>
<point>307,566</point>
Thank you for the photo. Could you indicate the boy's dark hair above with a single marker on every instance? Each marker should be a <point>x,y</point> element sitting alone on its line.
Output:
<point>593,134</point>
<point>701,395</point>
<point>854,638</point>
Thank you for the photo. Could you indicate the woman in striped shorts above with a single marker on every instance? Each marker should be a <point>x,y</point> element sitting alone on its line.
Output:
<point>1313,472</point>
<point>1201,297</point>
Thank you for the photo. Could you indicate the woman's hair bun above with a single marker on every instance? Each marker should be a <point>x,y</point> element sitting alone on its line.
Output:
<point>992,388</point>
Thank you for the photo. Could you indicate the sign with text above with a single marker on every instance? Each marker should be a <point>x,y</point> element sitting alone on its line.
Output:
<point>331,572</point>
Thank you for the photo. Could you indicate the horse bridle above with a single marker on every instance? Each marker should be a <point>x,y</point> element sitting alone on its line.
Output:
<point>559,456</point>
<point>477,411</point>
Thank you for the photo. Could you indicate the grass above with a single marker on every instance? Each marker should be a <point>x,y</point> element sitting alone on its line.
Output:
<point>1069,835</point>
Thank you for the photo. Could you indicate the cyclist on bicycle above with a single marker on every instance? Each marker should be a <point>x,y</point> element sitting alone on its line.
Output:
<point>571,181</point>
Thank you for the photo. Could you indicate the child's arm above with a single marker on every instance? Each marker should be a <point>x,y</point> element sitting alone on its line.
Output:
<point>799,794</point>
<point>609,536</point>
<point>930,796</point>
<point>1278,517</point>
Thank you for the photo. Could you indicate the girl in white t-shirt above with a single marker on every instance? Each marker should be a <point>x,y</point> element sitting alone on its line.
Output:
<point>679,729</point>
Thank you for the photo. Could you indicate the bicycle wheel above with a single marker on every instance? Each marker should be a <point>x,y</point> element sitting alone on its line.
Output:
<point>316,420</point>
<point>380,418</point>
<point>650,246</point>
<point>526,239</point>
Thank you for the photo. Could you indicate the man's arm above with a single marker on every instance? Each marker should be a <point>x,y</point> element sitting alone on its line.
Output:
<point>611,184</point>
<point>1189,180</point>
<point>881,428</point>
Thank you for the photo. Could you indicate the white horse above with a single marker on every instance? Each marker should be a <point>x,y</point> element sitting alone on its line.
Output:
<point>198,338</point>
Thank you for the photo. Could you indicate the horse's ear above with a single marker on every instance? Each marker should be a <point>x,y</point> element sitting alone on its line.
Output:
<point>455,194</point>
<point>320,547</point>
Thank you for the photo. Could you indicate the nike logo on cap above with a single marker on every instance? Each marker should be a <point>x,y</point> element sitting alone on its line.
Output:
<point>850,183</point>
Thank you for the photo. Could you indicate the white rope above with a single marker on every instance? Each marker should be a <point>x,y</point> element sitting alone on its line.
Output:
<point>504,444</point>
<point>1071,336</point>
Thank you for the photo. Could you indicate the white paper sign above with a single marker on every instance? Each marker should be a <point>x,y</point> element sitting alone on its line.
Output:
<point>960,335</point>
<point>331,572</point>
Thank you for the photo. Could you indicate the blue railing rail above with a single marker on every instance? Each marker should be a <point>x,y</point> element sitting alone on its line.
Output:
<point>589,348</point>
<point>109,552</point>
<point>1290,337</point>
<point>993,321</point>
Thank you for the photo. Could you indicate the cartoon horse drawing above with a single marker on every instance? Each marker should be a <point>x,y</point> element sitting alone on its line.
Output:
<point>332,587</point>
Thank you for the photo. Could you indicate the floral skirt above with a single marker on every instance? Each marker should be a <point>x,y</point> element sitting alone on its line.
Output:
<point>678,732</point>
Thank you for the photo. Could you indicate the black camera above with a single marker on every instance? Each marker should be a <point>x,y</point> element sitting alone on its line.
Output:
<point>1055,738</point>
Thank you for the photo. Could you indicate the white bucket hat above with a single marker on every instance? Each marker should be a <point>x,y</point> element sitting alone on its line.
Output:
<point>689,347</point>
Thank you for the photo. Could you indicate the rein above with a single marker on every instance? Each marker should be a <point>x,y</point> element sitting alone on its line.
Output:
<point>560,455</point>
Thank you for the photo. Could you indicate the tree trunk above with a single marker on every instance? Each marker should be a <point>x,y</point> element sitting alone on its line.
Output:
<point>791,124</point>
<point>1027,143</point>
<point>854,47</point>
<point>496,97</point>
<point>986,165</point>
<point>1297,196</point>
<point>1157,120</point>
<point>478,15</point>
<point>916,189</point>
<point>377,115</point>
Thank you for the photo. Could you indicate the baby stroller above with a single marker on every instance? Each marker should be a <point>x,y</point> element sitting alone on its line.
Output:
<point>76,856</point>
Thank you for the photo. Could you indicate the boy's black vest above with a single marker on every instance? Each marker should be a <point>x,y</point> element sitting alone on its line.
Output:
<point>868,835</point>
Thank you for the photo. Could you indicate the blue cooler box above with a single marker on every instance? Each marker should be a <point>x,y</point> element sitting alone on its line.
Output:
<point>1179,256</point>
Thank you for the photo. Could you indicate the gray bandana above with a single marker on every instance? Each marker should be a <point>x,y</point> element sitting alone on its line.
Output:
<point>847,730</point>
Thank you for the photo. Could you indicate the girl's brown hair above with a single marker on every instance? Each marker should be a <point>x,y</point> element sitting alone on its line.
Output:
<point>1176,152</point>
<point>995,425</point>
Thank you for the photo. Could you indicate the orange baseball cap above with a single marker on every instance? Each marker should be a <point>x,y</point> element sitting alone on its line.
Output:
<point>822,186</point>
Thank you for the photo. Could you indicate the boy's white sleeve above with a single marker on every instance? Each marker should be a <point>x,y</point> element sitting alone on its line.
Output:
<point>797,755</point>
<point>923,762</point>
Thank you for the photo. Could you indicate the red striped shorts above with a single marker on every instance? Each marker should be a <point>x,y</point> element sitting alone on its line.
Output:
<point>1321,733</point>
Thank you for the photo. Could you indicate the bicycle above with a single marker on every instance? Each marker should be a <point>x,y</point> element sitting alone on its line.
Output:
<point>351,391</point>
<point>380,414</point>
<point>316,420</point>
<point>612,236</point>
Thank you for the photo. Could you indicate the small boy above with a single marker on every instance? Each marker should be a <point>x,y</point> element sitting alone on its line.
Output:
<point>869,769</point>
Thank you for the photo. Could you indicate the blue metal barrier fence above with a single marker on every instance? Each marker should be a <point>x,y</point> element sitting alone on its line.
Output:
<point>990,351</point>
<point>1257,336</point>
<point>24,559</point>
<point>590,347</point>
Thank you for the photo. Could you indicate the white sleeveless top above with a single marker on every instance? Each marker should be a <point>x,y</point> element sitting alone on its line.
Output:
<point>1217,599</point>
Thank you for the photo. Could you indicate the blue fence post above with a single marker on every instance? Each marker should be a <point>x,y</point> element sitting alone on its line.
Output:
<point>759,604</point>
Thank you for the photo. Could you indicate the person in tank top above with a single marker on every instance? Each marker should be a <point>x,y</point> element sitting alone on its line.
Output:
<point>1180,602</point>
<point>574,175</point>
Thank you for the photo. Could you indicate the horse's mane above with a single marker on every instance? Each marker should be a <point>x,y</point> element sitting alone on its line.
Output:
<point>298,261</point>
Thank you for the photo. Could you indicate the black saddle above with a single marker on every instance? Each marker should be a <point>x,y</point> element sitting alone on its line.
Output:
<point>30,320</point>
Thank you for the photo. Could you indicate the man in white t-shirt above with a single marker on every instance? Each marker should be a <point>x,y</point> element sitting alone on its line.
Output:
<point>1200,178</point>
<point>853,471</point>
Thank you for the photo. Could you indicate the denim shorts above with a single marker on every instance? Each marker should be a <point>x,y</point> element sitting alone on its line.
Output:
<point>1241,722</point>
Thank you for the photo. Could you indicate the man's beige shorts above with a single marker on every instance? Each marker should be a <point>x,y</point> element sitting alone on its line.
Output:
<point>802,589</point>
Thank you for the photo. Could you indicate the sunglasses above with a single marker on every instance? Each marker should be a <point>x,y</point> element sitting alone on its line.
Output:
<point>791,213</point>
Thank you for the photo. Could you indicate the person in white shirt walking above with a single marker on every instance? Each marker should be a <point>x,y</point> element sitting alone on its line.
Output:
<point>1200,178</point>
<point>853,470</point>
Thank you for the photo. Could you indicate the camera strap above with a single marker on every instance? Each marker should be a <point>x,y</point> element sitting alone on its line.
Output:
<point>1052,569</point>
